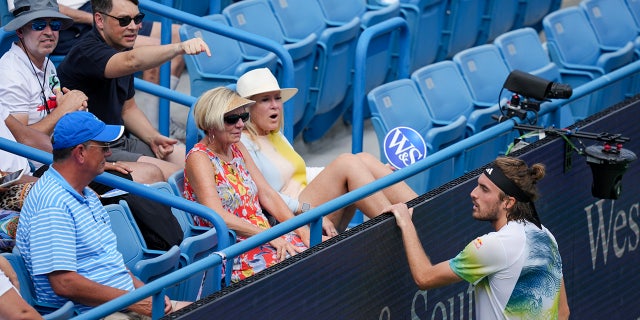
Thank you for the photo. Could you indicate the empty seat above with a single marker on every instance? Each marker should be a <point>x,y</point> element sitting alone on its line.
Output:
<point>145,264</point>
<point>522,50</point>
<point>399,104</point>
<point>572,44</point>
<point>425,19</point>
<point>447,97</point>
<point>461,26</point>
<point>227,65</point>
<point>612,23</point>
<point>499,17</point>
<point>531,12</point>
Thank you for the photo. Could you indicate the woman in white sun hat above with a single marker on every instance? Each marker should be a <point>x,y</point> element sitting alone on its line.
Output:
<point>285,170</point>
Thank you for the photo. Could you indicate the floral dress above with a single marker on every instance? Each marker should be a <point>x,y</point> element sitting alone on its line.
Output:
<point>239,195</point>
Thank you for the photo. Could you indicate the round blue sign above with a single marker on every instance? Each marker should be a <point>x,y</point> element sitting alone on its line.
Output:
<point>404,146</point>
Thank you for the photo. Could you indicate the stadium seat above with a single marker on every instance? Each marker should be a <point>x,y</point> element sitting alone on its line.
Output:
<point>27,291</point>
<point>461,26</point>
<point>5,15</point>
<point>145,264</point>
<point>425,18</point>
<point>382,48</point>
<point>522,50</point>
<point>484,72</point>
<point>572,44</point>
<point>498,18</point>
<point>256,16</point>
<point>447,97</point>
<point>612,23</point>
<point>634,9</point>
<point>199,242</point>
<point>227,65</point>
<point>334,60</point>
<point>531,12</point>
<point>399,104</point>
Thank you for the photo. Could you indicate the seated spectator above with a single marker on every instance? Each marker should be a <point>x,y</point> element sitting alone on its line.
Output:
<point>102,65</point>
<point>285,169</point>
<point>219,176</point>
<point>12,306</point>
<point>82,264</point>
<point>149,34</point>
<point>30,88</point>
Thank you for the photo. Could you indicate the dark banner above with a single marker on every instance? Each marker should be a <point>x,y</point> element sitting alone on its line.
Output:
<point>363,273</point>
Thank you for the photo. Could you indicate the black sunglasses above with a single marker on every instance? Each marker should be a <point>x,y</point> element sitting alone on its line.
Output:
<point>39,25</point>
<point>125,21</point>
<point>233,118</point>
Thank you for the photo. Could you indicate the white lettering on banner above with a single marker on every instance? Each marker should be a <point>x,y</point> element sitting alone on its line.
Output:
<point>408,154</point>
<point>622,231</point>
<point>444,309</point>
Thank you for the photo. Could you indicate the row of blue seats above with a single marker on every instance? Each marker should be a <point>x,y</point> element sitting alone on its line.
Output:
<point>451,100</point>
<point>321,36</point>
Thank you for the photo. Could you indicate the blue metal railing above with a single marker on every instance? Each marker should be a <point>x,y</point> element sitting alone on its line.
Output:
<point>171,14</point>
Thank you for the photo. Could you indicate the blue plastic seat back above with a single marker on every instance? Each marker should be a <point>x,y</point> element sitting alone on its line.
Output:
<point>425,19</point>
<point>522,50</point>
<point>27,291</point>
<point>461,26</point>
<point>484,71</point>
<point>398,103</point>
<point>130,241</point>
<point>5,14</point>
<point>634,9</point>
<point>499,17</point>
<point>568,32</point>
<point>337,12</point>
<point>298,19</point>
<point>612,22</point>
<point>444,91</point>
<point>531,12</point>
<point>254,16</point>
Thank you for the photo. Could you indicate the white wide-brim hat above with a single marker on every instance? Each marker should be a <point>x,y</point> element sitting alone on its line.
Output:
<point>260,81</point>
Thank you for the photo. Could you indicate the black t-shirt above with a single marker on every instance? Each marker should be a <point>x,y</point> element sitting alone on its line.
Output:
<point>83,69</point>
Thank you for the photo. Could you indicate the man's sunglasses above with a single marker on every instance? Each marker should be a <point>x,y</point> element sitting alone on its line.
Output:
<point>233,118</point>
<point>39,25</point>
<point>125,21</point>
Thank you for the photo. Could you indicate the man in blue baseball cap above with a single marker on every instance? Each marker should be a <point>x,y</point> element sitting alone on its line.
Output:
<point>64,233</point>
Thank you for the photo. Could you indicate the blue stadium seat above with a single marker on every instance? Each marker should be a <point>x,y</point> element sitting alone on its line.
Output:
<point>144,263</point>
<point>27,291</point>
<point>425,18</point>
<point>335,50</point>
<point>634,9</point>
<point>498,18</point>
<point>227,64</point>
<point>522,50</point>
<point>381,49</point>
<point>484,72</point>
<point>447,97</point>
<point>531,12</point>
<point>398,103</point>
<point>256,16</point>
<point>572,44</point>
<point>461,26</point>
<point>612,23</point>
<point>199,242</point>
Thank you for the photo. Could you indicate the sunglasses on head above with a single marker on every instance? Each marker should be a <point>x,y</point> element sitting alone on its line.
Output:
<point>233,118</point>
<point>125,21</point>
<point>39,25</point>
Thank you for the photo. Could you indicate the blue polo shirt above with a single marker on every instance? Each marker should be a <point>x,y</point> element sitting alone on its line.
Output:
<point>60,229</point>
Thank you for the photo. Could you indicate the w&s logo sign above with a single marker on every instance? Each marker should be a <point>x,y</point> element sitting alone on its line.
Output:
<point>404,146</point>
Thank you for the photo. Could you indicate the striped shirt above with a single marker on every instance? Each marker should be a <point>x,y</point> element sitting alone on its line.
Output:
<point>60,229</point>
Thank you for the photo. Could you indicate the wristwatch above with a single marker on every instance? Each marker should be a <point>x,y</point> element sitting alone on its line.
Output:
<point>305,207</point>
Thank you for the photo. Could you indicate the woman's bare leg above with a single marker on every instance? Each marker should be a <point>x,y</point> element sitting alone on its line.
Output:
<point>397,193</point>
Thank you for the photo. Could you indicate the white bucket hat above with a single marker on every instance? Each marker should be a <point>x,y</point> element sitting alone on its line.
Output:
<point>260,81</point>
